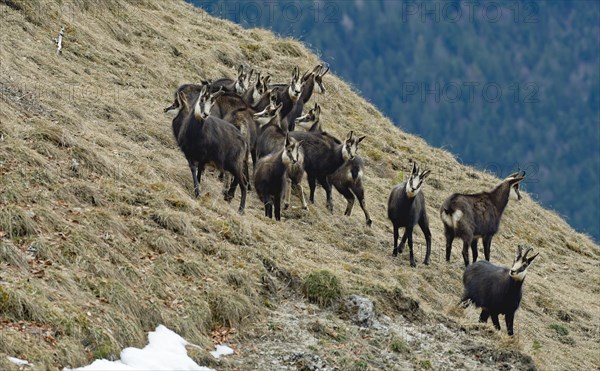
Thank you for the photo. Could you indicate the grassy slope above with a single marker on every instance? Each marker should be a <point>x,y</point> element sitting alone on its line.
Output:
<point>97,254</point>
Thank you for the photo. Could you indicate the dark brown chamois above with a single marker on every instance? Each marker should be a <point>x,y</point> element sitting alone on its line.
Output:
<point>206,139</point>
<point>275,172</point>
<point>239,85</point>
<point>309,79</point>
<point>473,216</point>
<point>311,120</point>
<point>347,179</point>
<point>497,290</point>
<point>288,95</point>
<point>323,155</point>
<point>406,208</point>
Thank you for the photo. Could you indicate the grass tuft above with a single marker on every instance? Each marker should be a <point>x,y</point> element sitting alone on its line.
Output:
<point>322,288</point>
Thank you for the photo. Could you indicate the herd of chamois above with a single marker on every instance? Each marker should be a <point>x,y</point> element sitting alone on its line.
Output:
<point>226,121</point>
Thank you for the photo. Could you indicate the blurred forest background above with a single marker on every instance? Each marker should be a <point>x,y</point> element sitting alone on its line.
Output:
<point>502,84</point>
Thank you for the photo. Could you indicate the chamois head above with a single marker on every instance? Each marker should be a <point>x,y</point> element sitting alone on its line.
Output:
<point>319,78</point>
<point>242,82</point>
<point>350,146</point>
<point>265,116</point>
<point>175,107</point>
<point>296,85</point>
<point>205,103</point>
<point>415,180</point>
<point>521,262</point>
<point>307,121</point>
<point>514,180</point>
<point>291,151</point>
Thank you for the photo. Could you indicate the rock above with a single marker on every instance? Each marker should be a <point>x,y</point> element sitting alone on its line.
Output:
<point>360,310</point>
<point>307,362</point>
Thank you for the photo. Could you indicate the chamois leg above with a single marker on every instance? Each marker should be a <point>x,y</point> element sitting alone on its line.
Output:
<point>288,194</point>
<point>409,231</point>
<point>509,318</point>
<point>495,321</point>
<point>396,235</point>
<point>483,317</point>
<point>403,241</point>
<point>195,177</point>
<point>449,233</point>
<point>474,249</point>
<point>424,225</point>
<point>301,190</point>
<point>465,251</point>
<point>268,205</point>
<point>360,195</point>
<point>312,184</point>
<point>327,186</point>
<point>277,205</point>
<point>349,196</point>
<point>487,245</point>
<point>240,178</point>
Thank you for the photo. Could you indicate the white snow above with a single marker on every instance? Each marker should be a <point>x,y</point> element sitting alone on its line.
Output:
<point>221,350</point>
<point>165,351</point>
<point>19,362</point>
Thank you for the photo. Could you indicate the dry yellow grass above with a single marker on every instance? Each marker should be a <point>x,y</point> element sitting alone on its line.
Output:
<point>102,239</point>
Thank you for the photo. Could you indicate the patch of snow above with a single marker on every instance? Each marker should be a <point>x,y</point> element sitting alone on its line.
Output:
<point>19,362</point>
<point>165,351</point>
<point>221,350</point>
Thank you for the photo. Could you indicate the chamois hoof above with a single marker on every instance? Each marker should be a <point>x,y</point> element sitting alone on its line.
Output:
<point>369,222</point>
<point>228,197</point>
<point>286,206</point>
<point>426,262</point>
<point>413,264</point>
<point>241,211</point>
<point>305,207</point>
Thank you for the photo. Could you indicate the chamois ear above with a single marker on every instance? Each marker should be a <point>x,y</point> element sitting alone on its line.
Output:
<point>240,70</point>
<point>425,174</point>
<point>317,110</point>
<point>361,139</point>
<point>287,139</point>
<point>415,169</point>
<point>323,73</point>
<point>350,134</point>
<point>182,101</point>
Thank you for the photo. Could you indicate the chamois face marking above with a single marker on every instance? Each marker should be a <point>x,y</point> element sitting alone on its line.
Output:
<point>266,115</point>
<point>319,78</point>
<point>296,85</point>
<point>521,263</point>
<point>514,181</point>
<point>243,80</point>
<point>308,120</point>
<point>350,146</point>
<point>291,152</point>
<point>415,181</point>
<point>173,109</point>
<point>205,103</point>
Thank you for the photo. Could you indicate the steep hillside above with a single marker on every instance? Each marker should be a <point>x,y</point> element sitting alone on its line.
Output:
<point>523,61</point>
<point>101,239</point>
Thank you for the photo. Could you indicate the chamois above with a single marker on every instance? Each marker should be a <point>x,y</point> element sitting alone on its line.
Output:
<point>289,95</point>
<point>239,85</point>
<point>272,137</point>
<point>474,216</point>
<point>311,120</point>
<point>270,134</point>
<point>323,155</point>
<point>275,171</point>
<point>308,79</point>
<point>497,290</point>
<point>347,179</point>
<point>206,139</point>
<point>406,208</point>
